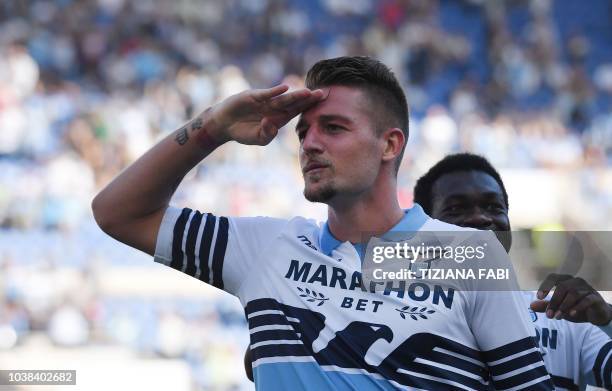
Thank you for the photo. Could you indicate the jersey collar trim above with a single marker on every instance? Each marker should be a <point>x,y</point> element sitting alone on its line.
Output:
<point>413,220</point>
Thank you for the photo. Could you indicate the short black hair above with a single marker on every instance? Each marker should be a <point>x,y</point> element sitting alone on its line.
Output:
<point>423,194</point>
<point>376,79</point>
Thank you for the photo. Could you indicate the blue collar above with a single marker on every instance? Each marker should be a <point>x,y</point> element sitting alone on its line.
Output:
<point>413,220</point>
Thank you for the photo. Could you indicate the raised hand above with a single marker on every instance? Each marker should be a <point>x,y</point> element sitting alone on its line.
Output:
<point>254,117</point>
<point>573,299</point>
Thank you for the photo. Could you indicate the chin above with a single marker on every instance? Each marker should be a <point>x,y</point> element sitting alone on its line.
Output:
<point>319,193</point>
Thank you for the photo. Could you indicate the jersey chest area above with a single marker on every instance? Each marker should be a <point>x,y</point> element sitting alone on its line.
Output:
<point>295,272</point>
<point>310,305</point>
<point>560,343</point>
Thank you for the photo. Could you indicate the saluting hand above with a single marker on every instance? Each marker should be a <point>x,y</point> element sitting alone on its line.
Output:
<point>254,117</point>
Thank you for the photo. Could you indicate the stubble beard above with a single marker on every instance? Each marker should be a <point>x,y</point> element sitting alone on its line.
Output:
<point>321,194</point>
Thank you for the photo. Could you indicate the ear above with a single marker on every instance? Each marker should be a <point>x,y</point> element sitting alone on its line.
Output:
<point>394,141</point>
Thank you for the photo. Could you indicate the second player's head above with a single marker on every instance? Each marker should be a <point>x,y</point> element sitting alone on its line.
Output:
<point>465,190</point>
<point>354,139</point>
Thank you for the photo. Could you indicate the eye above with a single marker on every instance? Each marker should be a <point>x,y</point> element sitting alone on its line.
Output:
<point>494,207</point>
<point>453,209</point>
<point>334,127</point>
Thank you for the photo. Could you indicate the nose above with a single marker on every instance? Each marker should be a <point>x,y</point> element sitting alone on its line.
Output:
<point>312,142</point>
<point>478,219</point>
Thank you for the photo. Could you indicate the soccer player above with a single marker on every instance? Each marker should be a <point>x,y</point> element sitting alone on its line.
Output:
<point>464,189</point>
<point>313,322</point>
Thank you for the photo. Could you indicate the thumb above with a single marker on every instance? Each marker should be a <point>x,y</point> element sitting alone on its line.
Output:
<point>269,130</point>
<point>539,305</point>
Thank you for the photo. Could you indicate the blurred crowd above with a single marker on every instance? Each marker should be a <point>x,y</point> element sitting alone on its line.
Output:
<point>87,86</point>
<point>68,308</point>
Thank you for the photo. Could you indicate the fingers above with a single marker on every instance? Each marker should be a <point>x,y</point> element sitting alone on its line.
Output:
<point>572,297</point>
<point>586,302</point>
<point>549,282</point>
<point>268,93</point>
<point>302,105</point>
<point>567,294</point>
<point>293,100</point>
<point>569,290</point>
<point>539,305</point>
<point>592,308</point>
<point>280,108</point>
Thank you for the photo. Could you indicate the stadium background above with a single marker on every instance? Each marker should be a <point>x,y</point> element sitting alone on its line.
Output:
<point>87,86</point>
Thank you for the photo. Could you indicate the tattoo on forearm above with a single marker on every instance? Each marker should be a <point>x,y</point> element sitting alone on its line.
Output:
<point>197,124</point>
<point>202,136</point>
<point>181,136</point>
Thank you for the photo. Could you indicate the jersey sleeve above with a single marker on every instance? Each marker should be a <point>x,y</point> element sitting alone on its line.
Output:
<point>503,330</point>
<point>217,250</point>
<point>596,358</point>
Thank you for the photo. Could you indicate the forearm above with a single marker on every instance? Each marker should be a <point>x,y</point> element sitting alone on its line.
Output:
<point>146,186</point>
<point>132,206</point>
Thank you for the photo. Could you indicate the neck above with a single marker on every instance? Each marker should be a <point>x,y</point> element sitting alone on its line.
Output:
<point>373,212</point>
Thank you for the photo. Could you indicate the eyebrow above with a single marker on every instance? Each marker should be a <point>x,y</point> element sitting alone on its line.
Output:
<point>461,196</point>
<point>324,118</point>
<point>335,117</point>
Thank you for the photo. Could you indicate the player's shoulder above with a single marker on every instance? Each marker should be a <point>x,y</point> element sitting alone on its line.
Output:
<point>438,225</point>
<point>300,225</point>
<point>463,235</point>
<point>286,225</point>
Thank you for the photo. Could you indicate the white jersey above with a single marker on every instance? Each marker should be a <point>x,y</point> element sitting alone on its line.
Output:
<point>576,354</point>
<point>314,326</point>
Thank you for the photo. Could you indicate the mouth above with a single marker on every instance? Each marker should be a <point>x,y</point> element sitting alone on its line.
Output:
<point>314,167</point>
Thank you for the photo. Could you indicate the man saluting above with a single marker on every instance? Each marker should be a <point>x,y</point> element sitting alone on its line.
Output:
<point>313,323</point>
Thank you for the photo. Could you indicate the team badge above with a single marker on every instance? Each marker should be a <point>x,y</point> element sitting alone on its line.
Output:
<point>534,316</point>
